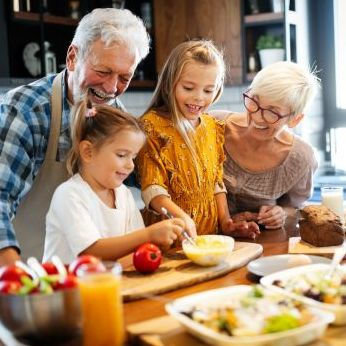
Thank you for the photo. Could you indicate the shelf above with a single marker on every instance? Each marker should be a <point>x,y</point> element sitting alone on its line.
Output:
<point>47,18</point>
<point>263,18</point>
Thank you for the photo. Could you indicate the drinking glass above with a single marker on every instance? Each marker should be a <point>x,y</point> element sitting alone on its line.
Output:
<point>333,198</point>
<point>102,309</point>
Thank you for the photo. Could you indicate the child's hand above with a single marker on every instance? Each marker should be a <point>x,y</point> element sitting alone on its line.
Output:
<point>271,216</point>
<point>190,226</point>
<point>164,233</point>
<point>245,216</point>
<point>240,229</point>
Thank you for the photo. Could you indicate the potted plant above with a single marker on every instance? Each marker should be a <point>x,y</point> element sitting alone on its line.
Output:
<point>270,48</point>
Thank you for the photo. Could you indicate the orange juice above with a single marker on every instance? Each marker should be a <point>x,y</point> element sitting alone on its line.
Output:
<point>102,309</point>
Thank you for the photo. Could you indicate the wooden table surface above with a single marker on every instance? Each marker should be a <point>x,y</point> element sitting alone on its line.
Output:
<point>274,242</point>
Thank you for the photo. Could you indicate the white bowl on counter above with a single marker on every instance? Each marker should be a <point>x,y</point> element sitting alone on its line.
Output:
<point>211,249</point>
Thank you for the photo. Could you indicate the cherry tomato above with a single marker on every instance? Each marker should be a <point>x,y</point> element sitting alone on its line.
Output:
<point>147,258</point>
<point>70,281</point>
<point>84,259</point>
<point>10,287</point>
<point>12,273</point>
<point>50,268</point>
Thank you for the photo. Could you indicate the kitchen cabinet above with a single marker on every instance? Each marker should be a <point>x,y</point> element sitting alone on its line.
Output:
<point>219,20</point>
<point>286,19</point>
<point>27,24</point>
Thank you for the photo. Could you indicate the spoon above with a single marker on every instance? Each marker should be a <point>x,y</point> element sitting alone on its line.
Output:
<point>337,258</point>
<point>185,234</point>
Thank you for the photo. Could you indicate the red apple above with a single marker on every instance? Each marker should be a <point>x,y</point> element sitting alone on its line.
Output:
<point>84,259</point>
<point>147,258</point>
<point>12,273</point>
<point>70,281</point>
<point>10,287</point>
<point>50,268</point>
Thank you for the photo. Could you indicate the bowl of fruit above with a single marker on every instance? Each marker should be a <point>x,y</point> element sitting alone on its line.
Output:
<point>40,304</point>
<point>208,250</point>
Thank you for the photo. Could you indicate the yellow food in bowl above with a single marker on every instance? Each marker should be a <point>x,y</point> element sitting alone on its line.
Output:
<point>210,250</point>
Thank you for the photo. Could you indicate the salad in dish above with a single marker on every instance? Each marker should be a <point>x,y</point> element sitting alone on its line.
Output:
<point>256,312</point>
<point>318,286</point>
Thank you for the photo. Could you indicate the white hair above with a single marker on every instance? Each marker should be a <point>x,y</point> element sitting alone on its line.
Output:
<point>288,83</point>
<point>112,25</point>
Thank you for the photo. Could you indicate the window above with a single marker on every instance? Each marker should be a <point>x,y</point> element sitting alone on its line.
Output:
<point>340,52</point>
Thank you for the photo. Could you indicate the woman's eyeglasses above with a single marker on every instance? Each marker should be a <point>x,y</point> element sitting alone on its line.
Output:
<point>268,115</point>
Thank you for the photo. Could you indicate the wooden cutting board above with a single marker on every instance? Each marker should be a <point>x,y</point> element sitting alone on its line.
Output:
<point>177,271</point>
<point>296,245</point>
<point>166,331</point>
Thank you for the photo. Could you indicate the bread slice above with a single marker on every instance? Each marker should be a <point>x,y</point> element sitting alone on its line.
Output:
<point>320,226</point>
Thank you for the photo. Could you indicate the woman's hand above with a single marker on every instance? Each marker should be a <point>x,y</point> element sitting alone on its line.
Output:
<point>240,229</point>
<point>271,216</point>
<point>166,232</point>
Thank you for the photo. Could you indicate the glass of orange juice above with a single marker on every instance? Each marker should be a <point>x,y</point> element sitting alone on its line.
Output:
<point>102,309</point>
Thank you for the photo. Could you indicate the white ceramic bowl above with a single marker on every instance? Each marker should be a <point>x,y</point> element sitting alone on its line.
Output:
<point>339,311</point>
<point>210,250</point>
<point>297,336</point>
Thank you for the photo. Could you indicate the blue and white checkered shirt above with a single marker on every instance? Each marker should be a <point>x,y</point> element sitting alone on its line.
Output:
<point>25,117</point>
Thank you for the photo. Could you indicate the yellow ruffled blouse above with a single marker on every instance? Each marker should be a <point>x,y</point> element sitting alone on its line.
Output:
<point>166,167</point>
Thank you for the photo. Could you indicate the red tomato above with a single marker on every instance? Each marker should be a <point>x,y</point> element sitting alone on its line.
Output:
<point>147,258</point>
<point>84,259</point>
<point>10,287</point>
<point>50,268</point>
<point>70,281</point>
<point>12,273</point>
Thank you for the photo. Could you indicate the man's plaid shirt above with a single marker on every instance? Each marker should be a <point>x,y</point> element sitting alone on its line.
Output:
<point>25,118</point>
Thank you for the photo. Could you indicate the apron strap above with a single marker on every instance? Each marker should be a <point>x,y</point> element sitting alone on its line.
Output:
<point>56,108</point>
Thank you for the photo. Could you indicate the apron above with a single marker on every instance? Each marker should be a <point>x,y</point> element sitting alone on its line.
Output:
<point>30,219</point>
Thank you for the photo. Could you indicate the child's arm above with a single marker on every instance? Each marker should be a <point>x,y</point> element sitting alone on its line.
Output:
<point>228,227</point>
<point>163,233</point>
<point>163,201</point>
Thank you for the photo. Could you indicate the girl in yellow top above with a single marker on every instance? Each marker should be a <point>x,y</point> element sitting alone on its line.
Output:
<point>180,166</point>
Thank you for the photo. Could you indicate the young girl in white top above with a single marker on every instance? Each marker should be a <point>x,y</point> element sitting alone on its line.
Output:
<point>93,212</point>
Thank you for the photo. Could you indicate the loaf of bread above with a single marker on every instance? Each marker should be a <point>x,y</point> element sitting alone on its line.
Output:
<point>320,226</point>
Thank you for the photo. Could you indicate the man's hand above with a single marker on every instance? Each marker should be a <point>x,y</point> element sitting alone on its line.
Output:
<point>8,255</point>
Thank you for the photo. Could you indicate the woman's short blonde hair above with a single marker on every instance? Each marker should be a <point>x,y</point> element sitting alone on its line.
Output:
<point>287,83</point>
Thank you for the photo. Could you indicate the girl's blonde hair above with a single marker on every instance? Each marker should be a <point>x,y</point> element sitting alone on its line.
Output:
<point>287,83</point>
<point>96,124</point>
<point>200,51</point>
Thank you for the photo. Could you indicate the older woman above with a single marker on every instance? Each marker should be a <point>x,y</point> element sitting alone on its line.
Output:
<point>268,169</point>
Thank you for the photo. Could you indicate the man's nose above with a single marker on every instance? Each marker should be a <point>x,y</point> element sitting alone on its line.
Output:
<point>111,85</point>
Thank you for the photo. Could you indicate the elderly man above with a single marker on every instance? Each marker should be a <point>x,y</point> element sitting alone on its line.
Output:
<point>34,122</point>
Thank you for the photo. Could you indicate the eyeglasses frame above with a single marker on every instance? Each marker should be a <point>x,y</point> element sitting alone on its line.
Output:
<point>263,109</point>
